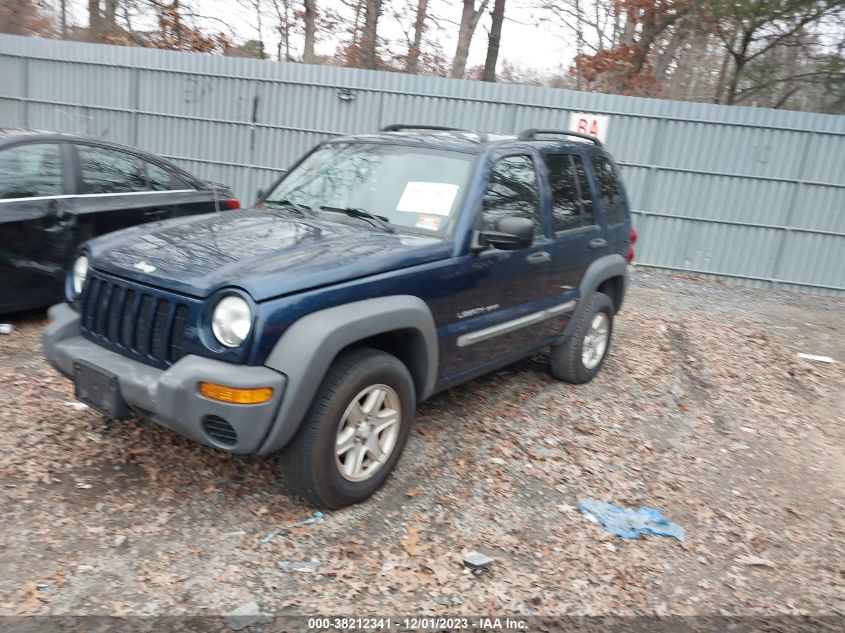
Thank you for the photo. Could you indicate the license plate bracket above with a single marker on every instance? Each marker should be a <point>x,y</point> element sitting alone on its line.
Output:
<point>99,388</point>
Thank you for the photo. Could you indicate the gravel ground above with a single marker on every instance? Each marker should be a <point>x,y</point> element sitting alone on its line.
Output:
<point>703,410</point>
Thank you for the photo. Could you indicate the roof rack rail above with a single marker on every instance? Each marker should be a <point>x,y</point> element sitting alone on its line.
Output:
<point>398,127</point>
<point>530,135</point>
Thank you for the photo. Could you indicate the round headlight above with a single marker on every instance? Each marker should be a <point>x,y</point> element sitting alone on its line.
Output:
<point>80,271</point>
<point>232,321</point>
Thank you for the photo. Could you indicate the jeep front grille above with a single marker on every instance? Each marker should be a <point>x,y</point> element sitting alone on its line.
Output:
<point>137,321</point>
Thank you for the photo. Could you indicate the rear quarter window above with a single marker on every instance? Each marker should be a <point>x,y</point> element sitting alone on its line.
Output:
<point>610,188</point>
<point>109,171</point>
<point>162,180</point>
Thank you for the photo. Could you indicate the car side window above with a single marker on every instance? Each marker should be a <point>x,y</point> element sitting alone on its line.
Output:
<point>584,189</point>
<point>31,171</point>
<point>110,171</point>
<point>511,191</point>
<point>570,209</point>
<point>611,190</point>
<point>162,180</point>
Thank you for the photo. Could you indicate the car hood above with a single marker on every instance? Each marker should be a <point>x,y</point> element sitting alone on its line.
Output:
<point>267,253</point>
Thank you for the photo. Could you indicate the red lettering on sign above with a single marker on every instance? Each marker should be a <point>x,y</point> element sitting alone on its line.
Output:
<point>588,126</point>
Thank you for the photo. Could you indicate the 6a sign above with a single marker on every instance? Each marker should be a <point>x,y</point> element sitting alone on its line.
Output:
<point>592,124</point>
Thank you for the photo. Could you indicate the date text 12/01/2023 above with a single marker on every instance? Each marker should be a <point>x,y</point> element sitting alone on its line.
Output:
<point>417,623</point>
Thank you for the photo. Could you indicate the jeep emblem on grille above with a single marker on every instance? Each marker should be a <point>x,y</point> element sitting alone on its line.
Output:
<point>144,266</point>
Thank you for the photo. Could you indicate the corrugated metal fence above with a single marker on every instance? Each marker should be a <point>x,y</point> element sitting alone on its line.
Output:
<point>752,195</point>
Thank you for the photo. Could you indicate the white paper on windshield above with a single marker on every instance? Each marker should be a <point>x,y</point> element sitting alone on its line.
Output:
<point>428,197</point>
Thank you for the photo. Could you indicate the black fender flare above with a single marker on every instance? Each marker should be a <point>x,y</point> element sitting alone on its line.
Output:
<point>603,268</point>
<point>307,348</point>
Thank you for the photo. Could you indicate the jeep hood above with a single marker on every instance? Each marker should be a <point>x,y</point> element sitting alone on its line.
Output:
<point>267,253</point>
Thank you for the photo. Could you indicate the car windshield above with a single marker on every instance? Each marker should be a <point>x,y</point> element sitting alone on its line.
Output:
<point>412,188</point>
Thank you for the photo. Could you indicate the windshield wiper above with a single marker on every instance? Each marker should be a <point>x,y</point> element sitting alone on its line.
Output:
<point>353,212</point>
<point>303,210</point>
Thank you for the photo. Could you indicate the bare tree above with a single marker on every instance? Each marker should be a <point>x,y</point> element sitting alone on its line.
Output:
<point>413,58</point>
<point>284,28</point>
<point>469,20</point>
<point>63,18</point>
<point>369,35</point>
<point>751,33</point>
<point>256,7</point>
<point>309,18</point>
<point>494,38</point>
<point>95,21</point>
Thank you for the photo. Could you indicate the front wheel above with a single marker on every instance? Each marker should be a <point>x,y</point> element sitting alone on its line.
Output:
<point>354,432</point>
<point>579,358</point>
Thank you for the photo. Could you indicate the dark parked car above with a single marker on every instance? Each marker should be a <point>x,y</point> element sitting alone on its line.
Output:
<point>380,270</point>
<point>57,191</point>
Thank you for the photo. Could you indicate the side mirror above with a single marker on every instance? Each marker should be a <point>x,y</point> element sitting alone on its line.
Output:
<point>511,234</point>
<point>259,195</point>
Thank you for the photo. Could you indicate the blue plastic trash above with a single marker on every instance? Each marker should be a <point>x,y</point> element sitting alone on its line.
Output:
<point>630,523</point>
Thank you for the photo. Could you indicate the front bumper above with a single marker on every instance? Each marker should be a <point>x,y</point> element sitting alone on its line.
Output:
<point>170,397</point>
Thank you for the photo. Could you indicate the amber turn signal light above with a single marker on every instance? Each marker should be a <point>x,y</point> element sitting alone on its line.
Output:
<point>256,395</point>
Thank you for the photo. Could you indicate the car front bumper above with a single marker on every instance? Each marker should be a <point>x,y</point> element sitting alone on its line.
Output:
<point>170,397</point>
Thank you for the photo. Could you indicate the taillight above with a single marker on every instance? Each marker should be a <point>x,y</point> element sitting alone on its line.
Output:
<point>632,236</point>
<point>233,203</point>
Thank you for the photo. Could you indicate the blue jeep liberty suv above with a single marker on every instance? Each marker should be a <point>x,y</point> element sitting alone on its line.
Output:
<point>381,269</point>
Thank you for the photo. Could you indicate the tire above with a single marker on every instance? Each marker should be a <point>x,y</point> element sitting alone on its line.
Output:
<point>310,462</point>
<point>567,358</point>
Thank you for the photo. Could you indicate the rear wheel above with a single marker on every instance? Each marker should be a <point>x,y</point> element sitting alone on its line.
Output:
<point>355,430</point>
<point>580,357</point>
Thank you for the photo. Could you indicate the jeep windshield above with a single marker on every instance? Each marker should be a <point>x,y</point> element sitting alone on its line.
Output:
<point>413,189</point>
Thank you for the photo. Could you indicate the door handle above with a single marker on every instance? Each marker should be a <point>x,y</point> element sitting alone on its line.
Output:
<point>540,257</point>
<point>598,242</point>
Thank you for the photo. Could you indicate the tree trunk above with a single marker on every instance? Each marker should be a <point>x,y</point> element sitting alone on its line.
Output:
<point>286,30</point>
<point>63,7</point>
<point>128,19</point>
<point>412,64</point>
<point>258,28</point>
<point>369,36</point>
<point>469,20</point>
<point>647,35</point>
<point>720,81</point>
<point>493,40</point>
<point>740,58</point>
<point>661,64</point>
<point>630,28</point>
<point>310,19</point>
<point>95,21</point>
<point>733,85</point>
<point>109,18</point>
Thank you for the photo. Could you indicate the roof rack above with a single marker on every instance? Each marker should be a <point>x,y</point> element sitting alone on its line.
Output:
<point>530,135</point>
<point>398,127</point>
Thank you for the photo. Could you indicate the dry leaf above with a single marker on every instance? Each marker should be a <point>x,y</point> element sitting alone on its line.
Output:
<point>412,543</point>
<point>413,492</point>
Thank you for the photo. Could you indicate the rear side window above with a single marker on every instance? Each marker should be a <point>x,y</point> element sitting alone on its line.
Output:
<point>610,189</point>
<point>511,191</point>
<point>584,188</point>
<point>31,171</point>
<point>572,204</point>
<point>162,180</point>
<point>109,171</point>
